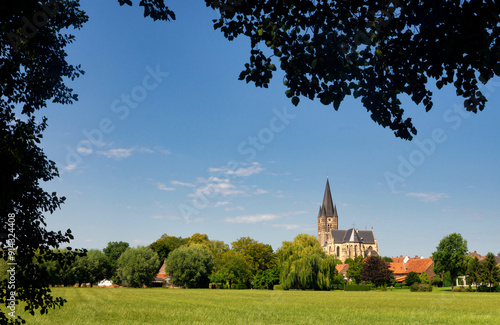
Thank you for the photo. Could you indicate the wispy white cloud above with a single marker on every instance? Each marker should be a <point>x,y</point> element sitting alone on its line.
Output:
<point>182,184</point>
<point>84,150</point>
<point>215,185</point>
<point>428,197</point>
<point>118,153</point>
<point>293,213</point>
<point>163,151</point>
<point>254,168</point>
<point>252,218</point>
<point>71,167</point>
<point>146,150</point>
<point>168,217</point>
<point>260,191</point>
<point>220,204</point>
<point>234,208</point>
<point>287,226</point>
<point>162,187</point>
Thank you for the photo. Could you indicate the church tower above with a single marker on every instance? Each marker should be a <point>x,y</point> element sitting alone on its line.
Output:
<point>328,218</point>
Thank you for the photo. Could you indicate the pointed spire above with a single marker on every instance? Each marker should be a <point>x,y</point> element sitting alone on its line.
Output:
<point>335,211</point>
<point>327,200</point>
<point>319,213</point>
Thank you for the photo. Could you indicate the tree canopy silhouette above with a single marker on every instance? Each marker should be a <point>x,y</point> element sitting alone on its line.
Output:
<point>375,50</point>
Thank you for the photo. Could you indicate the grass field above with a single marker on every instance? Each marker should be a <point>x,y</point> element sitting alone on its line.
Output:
<point>203,306</point>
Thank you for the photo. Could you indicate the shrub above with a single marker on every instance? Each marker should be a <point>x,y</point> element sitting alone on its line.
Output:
<point>414,287</point>
<point>398,286</point>
<point>412,278</point>
<point>421,287</point>
<point>358,287</point>
<point>238,286</point>
<point>436,280</point>
<point>485,288</point>
<point>424,287</point>
<point>277,287</point>
<point>405,287</point>
<point>383,288</point>
<point>469,289</point>
<point>482,288</point>
<point>458,289</point>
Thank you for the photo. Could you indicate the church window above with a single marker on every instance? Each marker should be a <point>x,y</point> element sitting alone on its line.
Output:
<point>338,251</point>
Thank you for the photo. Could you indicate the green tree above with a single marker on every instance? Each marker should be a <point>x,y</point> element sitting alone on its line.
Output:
<point>233,268</point>
<point>424,278</point>
<point>91,268</point>
<point>261,255</point>
<point>166,244</point>
<point>113,251</point>
<point>33,70</point>
<point>411,278</point>
<point>473,271</point>
<point>489,271</point>
<point>199,239</point>
<point>190,266</point>
<point>376,271</point>
<point>378,51</point>
<point>266,279</point>
<point>218,248</point>
<point>304,265</point>
<point>60,272</point>
<point>451,256</point>
<point>387,259</point>
<point>374,50</point>
<point>355,268</point>
<point>137,266</point>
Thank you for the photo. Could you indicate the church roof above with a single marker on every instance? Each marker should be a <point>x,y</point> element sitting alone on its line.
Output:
<point>353,236</point>
<point>327,201</point>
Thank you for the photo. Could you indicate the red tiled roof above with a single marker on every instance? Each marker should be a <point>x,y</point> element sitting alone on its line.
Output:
<point>475,254</point>
<point>397,268</point>
<point>342,268</point>
<point>413,265</point>
<point>399,259</point>
<point>418,266</point>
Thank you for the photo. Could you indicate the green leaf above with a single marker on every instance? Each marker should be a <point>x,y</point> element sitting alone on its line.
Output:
<point>295,100</point>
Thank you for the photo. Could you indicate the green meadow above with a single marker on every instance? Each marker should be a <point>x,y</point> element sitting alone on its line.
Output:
<point>204,306</point>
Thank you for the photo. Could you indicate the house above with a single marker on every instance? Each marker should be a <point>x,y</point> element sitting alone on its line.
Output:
<point>342,269</point>
<point>161,278</point>
<point>401,266</point>
<point>476,254</point>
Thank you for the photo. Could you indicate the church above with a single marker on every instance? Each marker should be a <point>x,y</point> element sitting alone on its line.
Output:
<point>342,244</point>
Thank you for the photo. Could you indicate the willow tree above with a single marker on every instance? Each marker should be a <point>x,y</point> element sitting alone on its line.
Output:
<point>304,265</point>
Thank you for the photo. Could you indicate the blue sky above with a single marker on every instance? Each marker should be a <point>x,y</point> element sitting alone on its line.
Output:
<point>165,139</point>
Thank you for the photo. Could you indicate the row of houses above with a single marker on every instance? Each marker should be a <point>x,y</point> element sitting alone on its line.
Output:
<point>401,266</point>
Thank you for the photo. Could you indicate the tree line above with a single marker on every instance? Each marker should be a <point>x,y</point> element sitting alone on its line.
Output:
<point>199,262</point>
